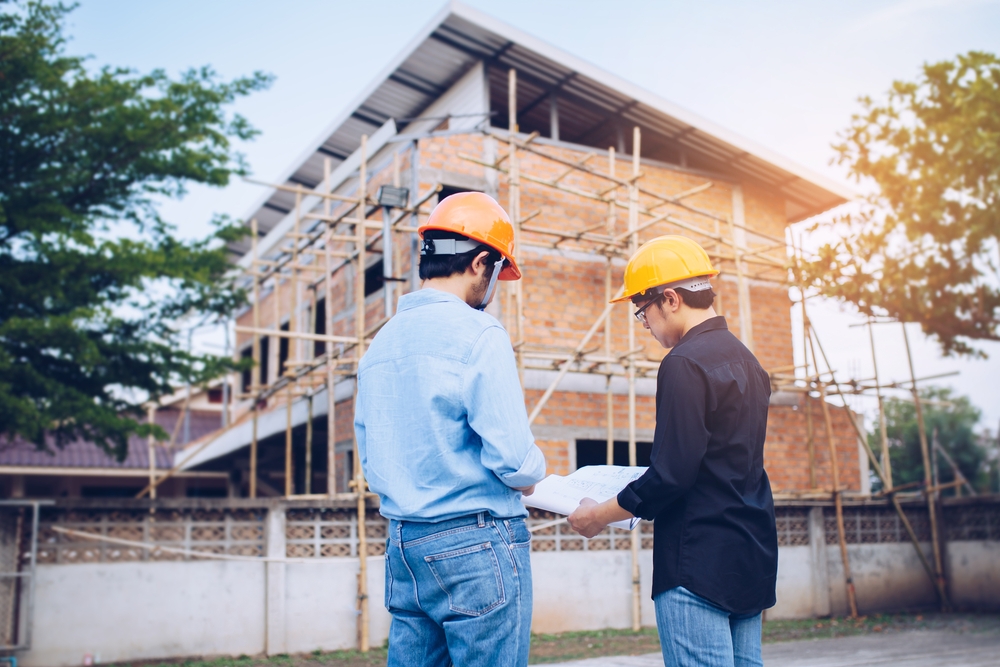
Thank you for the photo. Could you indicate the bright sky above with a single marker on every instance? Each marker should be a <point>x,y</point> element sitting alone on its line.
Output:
<point>785,74</point>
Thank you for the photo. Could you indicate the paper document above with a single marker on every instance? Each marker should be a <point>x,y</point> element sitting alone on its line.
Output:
<point>562,495</point>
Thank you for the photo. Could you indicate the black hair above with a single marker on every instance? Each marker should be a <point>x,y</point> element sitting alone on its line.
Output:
<point>443,266</point>
<point>697,300</point>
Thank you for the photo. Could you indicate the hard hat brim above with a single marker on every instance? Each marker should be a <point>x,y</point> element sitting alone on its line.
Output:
<point>627,297</point>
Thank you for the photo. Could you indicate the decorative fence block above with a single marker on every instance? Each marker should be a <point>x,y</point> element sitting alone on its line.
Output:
<point>235,532</point>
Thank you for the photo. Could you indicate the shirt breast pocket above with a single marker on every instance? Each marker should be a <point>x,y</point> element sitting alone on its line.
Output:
<point>470,577</point>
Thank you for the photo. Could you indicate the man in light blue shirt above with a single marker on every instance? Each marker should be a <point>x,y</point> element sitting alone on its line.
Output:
<point>444,441</point>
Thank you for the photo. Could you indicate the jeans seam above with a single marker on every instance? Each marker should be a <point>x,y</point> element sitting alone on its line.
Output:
<point>413,578</point>
<point>388,583</point>
<point>510,553</point>
<point>457,552</point>
<point>443,533</point>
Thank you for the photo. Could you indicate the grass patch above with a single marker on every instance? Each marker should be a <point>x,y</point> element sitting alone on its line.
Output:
<point>547,648</point>
<point>592,644</point>
<point>828,628</point>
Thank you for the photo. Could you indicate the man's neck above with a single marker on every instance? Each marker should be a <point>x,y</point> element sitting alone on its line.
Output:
<point>454,284</point>
<point>696,316</point>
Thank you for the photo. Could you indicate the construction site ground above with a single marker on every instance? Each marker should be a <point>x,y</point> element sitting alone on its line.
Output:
<point>900,639</point>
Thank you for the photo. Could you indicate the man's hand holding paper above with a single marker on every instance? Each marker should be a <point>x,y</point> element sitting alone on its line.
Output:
<point>564,494</point>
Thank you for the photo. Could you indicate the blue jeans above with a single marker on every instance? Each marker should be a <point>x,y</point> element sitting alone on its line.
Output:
<point>459,592</point>
<point>696,633</point>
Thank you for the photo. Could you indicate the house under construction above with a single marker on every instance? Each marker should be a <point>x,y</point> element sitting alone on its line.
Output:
<point>588,167</point>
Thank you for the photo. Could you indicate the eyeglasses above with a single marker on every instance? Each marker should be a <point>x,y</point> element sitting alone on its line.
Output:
<point>641,313</point>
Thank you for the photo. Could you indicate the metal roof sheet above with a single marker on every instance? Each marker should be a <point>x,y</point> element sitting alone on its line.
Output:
<point>591,102</point>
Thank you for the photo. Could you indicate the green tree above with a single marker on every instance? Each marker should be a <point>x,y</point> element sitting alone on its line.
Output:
<point>925,246</point>
<point>92,279</point>
<point>954,418</point>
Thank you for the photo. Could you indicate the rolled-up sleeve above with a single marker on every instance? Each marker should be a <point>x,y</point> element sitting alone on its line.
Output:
<point>494,404</point>
<point>679,442</point>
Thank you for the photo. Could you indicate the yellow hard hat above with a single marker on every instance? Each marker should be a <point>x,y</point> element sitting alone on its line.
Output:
<point>663,261</point>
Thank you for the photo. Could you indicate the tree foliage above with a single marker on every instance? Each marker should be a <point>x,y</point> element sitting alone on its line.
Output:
<point>925,246</point>
<point>92,279</point>
<point>953,417</point>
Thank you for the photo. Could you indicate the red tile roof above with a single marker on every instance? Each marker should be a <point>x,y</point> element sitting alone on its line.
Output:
<point>84,454</point>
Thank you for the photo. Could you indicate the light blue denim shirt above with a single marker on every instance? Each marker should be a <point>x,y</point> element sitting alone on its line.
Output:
<point>440,418</point>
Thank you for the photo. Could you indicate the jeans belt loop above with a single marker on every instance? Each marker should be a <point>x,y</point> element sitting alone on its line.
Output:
<point>481,516</point>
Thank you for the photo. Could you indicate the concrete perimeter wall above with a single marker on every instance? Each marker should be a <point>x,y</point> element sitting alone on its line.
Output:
<point>122,611</point>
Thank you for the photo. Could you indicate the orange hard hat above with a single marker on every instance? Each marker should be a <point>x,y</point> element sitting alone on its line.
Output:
<point>479,217</point>
<point>664,262</point>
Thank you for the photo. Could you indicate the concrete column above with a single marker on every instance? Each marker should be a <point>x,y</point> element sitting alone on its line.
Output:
<point>553,117</point>
<point>820,574</point>
<point>275,634</point>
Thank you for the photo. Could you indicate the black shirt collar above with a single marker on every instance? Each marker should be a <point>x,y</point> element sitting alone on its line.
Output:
<point>711,324</point>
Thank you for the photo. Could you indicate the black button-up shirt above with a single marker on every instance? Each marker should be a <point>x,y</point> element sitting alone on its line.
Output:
<point>706,488</point>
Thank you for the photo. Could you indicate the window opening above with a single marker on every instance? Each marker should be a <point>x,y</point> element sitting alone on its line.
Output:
<point>319,346</point>
<point>246,377</point>
<point>594,453</point>
<point>265,358</point>
<point>374,281</point>
<point>449,190</point>
<point>283,351</point>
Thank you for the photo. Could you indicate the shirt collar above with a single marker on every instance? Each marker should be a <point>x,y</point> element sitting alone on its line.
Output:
<point>711,324</point>
<point>425,296</point>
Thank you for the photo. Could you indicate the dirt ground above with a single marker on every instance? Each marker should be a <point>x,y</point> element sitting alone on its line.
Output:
<point>592,644</point>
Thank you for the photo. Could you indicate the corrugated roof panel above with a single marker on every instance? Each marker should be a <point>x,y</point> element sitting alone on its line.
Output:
<point>592,107</point>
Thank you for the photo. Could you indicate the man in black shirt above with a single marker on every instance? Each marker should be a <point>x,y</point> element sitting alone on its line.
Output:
<point>715,546</point>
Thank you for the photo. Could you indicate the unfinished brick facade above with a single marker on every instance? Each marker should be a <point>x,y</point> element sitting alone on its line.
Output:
<point>564,293</point>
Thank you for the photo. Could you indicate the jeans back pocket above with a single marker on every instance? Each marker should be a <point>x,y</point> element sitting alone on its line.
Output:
<point>470,577</point>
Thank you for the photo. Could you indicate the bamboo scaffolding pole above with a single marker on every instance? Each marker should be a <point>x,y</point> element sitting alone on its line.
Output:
<point>623,182</point>
<point>609,395</point>
<point>742,288</point>
<point>351,256</point>
<point>277,265</point>
<point>925,455</point>
<point>838,501</point>
<point>293,352</point>
<point>633,224</point>
<point>298,335</point>
<point>300,190</point>
<point>151,452</point>
<point>397,251</point>
<point>941,591</point>
<point>810,442</point>
<point>256,379</point>
<point>565,366</point>
<point>359,476</point>
<point>959,476</point>
<point>657,218</point>
<point>882,427</point>
<point>935,468</point>
<point>310,390</point>
<point>514,198</point>
<point>331,399</point>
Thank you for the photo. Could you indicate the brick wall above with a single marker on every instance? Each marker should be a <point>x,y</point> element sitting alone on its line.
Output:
<point>564,292</point>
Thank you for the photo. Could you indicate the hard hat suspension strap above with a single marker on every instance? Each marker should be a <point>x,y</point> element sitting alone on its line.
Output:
<point>493,284</point>
<point>447,246</point>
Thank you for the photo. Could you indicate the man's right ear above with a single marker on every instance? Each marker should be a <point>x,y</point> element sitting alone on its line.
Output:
<point>479,264</point>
